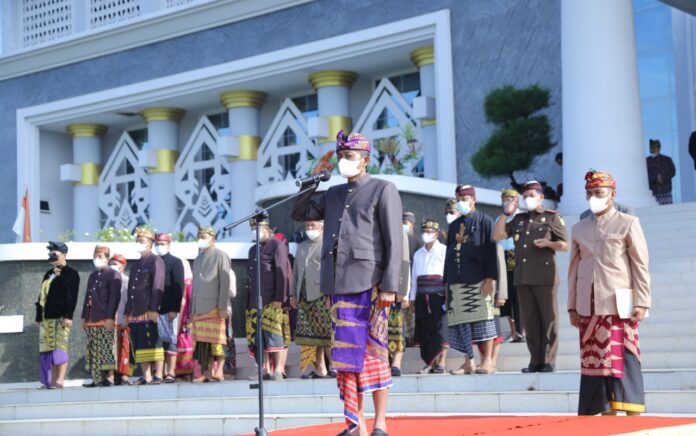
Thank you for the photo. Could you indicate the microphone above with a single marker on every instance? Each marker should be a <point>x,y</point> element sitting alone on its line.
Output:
<point>321,177</point>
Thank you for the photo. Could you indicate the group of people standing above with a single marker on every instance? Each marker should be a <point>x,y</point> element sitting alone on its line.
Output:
<point>358,281</point>
<point>165,317</point>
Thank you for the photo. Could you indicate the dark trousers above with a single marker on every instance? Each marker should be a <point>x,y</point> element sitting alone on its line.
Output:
<point>539,307</point>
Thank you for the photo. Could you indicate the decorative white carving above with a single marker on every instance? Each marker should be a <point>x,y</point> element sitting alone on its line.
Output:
<point>402,148</point>
<point>203,182</point>
<point>124,196</point>
<point>286,151</point>
<point>45,20</point>
<point>176,3</point>
<point>105,12</point>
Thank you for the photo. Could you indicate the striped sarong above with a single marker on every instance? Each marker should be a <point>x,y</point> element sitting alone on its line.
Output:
<point>275,329</point>
<point>143,338</point>
<point>209,328</point>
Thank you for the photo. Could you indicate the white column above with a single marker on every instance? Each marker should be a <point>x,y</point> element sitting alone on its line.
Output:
<point>333,98</point>
<point>163,142</point>
<point>243,109</point>
<point>87,158</point>
<point>424,109</point>
<point>602,126</point>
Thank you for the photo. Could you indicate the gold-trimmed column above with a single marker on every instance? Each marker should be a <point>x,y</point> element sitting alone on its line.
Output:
<point>161,156</point>
<point>243,108</point>
<point>424,109</point>
<point>333,96</point>
<point>86,169</point>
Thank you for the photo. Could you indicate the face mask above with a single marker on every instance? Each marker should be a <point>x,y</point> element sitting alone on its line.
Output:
<point>161,250</point>
<point>654,154</point>
<point>531,202</point>
<point>428,237</point>
<point>115,268</point>
<point>99,263</point>
<point>450,218</point>
<point>140,247</point>
<point>203,244</point>
<point>463,207</point>
<point>349,168</point>
<point>598,205</point>
<point>312,234</point>
<point>52,257</point>
<point>406,228</point>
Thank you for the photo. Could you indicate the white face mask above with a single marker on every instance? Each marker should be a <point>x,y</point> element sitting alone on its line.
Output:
<point>349,168</point>
<point>99,263</point>
<point>203,243</point>
<point>406,228</point>
<point>598,205</point>
<point>428,237</point>
<point>654,154</point>
<point>115,268</point>
<point>531,203</point>
<point>451,217</point>
<point>312,234</point>
<point>463,207</point>
<point>140,247</point>
<point>161,250</point>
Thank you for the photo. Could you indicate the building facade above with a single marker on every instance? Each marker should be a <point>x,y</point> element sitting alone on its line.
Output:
<point>179,113</point>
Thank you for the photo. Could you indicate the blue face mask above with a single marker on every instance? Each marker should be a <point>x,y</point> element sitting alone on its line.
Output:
<point>463,207</point>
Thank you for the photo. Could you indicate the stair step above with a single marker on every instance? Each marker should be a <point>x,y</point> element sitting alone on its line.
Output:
<point>201,416</point>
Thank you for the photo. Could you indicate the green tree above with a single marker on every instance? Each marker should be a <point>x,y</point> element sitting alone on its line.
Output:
<point>520,133</point>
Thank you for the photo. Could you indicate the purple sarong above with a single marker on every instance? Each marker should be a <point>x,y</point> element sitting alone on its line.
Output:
<point>47,360</point>
<point>360,328</point>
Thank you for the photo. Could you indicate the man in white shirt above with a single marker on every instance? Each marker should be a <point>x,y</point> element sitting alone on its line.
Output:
<point>428,293</point>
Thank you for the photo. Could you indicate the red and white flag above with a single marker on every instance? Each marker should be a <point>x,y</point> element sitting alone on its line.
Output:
<point>22,225</point>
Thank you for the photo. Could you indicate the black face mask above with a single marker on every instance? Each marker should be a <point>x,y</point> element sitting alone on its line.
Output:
<point>52,257</point>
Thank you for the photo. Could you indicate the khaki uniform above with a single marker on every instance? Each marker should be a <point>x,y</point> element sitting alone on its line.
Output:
<point>536,278</point>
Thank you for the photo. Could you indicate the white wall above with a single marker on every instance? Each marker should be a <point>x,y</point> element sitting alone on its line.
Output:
<point>55,150</point>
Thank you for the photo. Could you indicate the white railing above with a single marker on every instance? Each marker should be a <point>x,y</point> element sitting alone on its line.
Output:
<point>39,22</point>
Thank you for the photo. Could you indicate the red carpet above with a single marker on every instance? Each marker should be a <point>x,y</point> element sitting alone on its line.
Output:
<point>508,425</point>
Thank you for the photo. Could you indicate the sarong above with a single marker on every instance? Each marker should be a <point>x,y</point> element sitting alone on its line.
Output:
<point>230,366</point>
<point>275,329</point>
<point>123,338</point>
<point>359,349</point>
<point>53,347</point>
<point>167,331</point>
<point>313,328</point>
<point>409,323</point>
<point>469,317</point>
<point>100,350</point>
<point>209,337</point>
<point>665,198</point>
<point>431,322</point>
<point>396,330</point>
<point>184,338</point>
<point>143,338</point>
<point>610,369</point>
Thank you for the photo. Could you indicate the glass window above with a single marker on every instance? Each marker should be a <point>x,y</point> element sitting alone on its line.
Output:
<point>307,104</point>
<point>221,122</point>
<point>409,86</point>
<point>139,137</point>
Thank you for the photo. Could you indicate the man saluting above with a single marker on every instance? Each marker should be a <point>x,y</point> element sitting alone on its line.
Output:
<point>361,270</point>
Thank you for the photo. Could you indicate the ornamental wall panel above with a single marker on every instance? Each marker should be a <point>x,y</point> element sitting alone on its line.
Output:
<point>286,152</point>
<point>45,20</point>
<point>397,145</point>
<point>124,196</point>
<point>203,182</point>
<point>105,12</point>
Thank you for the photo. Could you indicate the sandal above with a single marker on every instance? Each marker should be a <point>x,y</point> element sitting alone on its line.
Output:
<point>169,379</point>
<point>155,381</point>
<point>426,370</point>
<point>438,369</point>
<point>201,379</point>
<point>141,381</point>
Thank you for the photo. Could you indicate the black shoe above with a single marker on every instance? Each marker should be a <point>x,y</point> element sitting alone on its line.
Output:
<point>331,374</point>
<point>396,372</point>
<point>90,385</point>
<point>105,383</point>
<point>547,367</point>
<point>531,368</point>
<point>379,432</point>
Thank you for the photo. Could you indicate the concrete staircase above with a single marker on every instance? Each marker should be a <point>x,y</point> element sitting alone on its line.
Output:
<point>667,342</point>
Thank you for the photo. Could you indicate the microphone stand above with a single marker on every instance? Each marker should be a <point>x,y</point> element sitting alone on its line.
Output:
<point>260,214</point>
